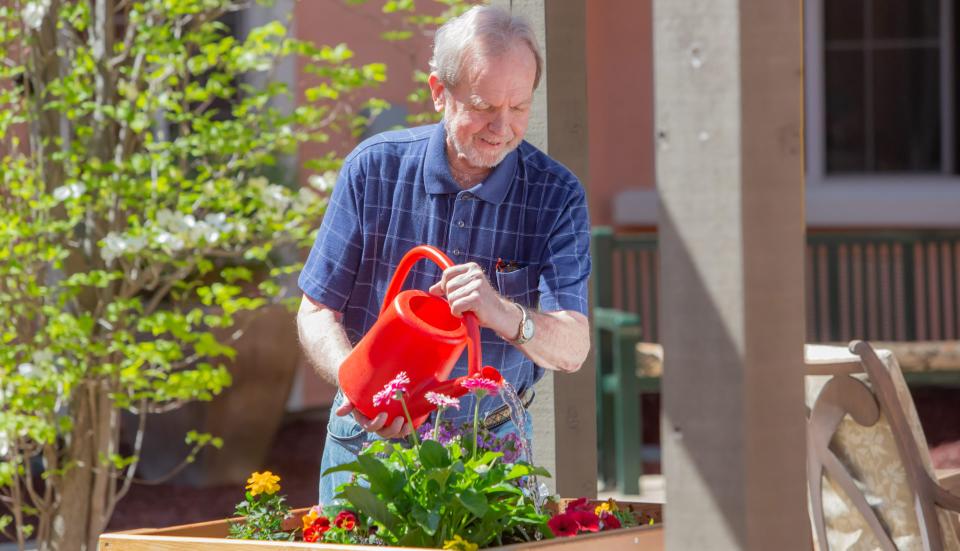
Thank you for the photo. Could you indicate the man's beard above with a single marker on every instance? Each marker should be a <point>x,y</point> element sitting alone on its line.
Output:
<point>471,155</point>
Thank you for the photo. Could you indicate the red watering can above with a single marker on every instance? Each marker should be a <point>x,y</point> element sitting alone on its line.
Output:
<point>416,334</point>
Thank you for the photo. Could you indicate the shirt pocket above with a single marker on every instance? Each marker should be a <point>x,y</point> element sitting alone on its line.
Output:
<point>518,285</point>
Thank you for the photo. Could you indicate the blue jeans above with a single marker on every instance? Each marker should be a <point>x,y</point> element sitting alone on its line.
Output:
<point>345,439</point>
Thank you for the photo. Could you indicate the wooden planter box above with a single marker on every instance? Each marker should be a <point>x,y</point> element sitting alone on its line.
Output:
<point>211,536</point>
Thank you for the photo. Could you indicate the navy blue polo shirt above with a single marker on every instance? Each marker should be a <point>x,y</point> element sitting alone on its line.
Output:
<point>395,191</point>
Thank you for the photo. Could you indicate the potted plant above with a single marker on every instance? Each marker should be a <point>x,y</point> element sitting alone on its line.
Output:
<point>443,489</point>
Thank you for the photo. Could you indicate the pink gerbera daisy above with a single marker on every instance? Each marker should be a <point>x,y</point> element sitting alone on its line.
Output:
<point>390,390</point>
<point>474,384</point>
<point>442,400</point>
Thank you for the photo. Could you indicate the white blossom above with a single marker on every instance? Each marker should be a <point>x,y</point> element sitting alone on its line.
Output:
<point>33,13</point>
<point>113,246</point>
<point>276,196</point>
<point>27,369</point>
<point>71,191</point>
<point>116,245</point>
<point>323,182</point>
<point>169,241</point>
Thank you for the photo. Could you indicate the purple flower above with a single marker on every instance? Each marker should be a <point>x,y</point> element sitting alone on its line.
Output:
<point>442,400</point>
<point>392,389</point>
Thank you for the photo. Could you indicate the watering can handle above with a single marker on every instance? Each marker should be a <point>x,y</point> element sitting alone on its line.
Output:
<point>442,260</point>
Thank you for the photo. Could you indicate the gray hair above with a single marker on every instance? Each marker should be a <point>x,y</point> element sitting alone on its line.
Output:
<point>484,32</point>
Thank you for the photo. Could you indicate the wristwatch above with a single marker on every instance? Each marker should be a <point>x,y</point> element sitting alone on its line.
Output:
<point>526,325</point>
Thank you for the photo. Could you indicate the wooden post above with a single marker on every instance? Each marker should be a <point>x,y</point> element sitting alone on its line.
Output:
<point>564,412</point>
<point>728,89</point>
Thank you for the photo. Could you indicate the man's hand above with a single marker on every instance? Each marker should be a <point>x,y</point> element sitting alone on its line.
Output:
<point>398,429</point>
<point>467,289</point>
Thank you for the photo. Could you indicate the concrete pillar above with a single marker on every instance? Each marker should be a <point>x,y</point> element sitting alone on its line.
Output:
<point>564,412</point>
<point>728,89</point>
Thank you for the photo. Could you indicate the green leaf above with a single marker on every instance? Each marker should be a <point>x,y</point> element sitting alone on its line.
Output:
<point>523,469</point>
<point>415,538</point>
<point>381,479</point>
<point>351,467</point>
<point>428,520</point>
<point>433,454</point>
<point>369,504</point>
<point>474,501</point>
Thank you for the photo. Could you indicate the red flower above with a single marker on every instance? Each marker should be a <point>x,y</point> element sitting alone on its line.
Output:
<point>563,525</point>
<point>588,520</point>
<point>610,522</point>
<point>346,520</point>
<point>579,504</point>
<point>313,532</point>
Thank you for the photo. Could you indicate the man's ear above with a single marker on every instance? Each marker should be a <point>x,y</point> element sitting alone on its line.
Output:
<point>437,87</point>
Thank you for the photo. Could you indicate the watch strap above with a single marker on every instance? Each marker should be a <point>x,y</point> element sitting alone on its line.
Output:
<point>521,338</point>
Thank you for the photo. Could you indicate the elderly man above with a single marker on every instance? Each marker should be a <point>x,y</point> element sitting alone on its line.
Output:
<point>512,220</point>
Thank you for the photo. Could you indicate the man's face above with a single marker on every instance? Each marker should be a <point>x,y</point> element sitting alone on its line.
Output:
<point>486,114</point>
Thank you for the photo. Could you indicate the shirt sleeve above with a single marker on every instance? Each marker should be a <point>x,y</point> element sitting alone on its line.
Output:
<point>564,272</point>
<point>331,268</point>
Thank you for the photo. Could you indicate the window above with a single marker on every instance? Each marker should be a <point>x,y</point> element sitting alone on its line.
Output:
<point>885,95</point>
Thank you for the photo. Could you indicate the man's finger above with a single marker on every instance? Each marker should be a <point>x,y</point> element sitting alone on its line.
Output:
<point>345,408</point>
<point>392,431</point>
<point>436,289</point>
<point>370,425</point>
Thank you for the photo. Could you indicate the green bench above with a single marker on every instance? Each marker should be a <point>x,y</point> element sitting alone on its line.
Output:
<point>619,262</point>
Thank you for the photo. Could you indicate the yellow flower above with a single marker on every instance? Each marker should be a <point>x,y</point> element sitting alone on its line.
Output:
<point>263,483</point>
<point>599,510</point>
<point>460,544</point>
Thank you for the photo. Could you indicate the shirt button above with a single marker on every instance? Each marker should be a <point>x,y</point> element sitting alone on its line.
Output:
<point>456,252</point>
<point>459,223</point>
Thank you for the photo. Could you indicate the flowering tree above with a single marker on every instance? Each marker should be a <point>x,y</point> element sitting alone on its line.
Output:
<point>136,208</point>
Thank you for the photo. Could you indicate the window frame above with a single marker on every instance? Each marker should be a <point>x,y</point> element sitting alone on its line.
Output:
<point>877,199</point>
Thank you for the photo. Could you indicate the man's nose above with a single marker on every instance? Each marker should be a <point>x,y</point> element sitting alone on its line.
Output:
<point>498,123</point>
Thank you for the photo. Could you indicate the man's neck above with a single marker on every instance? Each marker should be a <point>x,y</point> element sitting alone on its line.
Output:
<point>465,175</point>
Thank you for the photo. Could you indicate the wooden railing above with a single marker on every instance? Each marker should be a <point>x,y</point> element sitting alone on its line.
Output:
<point>874,285</point>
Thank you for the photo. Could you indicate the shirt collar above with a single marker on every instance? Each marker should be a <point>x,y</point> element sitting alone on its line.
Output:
<point>439,180</point>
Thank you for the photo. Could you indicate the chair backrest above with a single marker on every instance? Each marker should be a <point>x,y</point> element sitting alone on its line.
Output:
<point>626,275</point>
<point>869,472</point>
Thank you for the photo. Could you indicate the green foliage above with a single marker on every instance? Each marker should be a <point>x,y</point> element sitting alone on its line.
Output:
<point>424,495</point>
<point>140,215</point>
<point>264,514</point>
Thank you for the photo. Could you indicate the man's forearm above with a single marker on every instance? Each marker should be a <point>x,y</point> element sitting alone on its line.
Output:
<point>561,341</point>
<point>323,339</point>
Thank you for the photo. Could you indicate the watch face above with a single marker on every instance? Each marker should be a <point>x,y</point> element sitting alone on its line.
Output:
<point>528,329</point>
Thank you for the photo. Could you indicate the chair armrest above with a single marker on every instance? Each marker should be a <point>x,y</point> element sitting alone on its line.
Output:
<point>612,319</point>
<point>949,479</point>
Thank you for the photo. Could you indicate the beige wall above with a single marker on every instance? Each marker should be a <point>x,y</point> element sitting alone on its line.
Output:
<point>619,101</point>
<point>333,21</point>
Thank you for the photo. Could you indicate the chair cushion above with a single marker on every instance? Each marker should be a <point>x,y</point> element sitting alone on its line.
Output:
<point>871,457</point>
